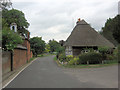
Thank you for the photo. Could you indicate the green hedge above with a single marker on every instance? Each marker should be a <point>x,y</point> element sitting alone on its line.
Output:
<point>91,57</point>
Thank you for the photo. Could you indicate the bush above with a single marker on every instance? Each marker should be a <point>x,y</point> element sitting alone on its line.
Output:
<point>91,57</point>
<point>62,57</point>
<point>103,50</point>
<point>110,57</point>
<point>115,53</point>
<point>73,61</point>
<point>69,57</point>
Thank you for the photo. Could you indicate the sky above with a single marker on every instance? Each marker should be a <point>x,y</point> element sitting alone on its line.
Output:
<point>55,19</point>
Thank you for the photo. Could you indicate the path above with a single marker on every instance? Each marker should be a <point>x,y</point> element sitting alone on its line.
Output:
<point>45,73</point>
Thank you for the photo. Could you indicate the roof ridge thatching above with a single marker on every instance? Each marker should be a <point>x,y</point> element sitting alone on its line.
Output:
<point>84,35</point>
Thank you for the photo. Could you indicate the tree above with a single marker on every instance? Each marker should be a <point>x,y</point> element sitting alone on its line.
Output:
<point>111,30</point>
<point>37,45</point>
<point>15,16</point>
<point>47,48</point>
<point>116,28</point>
<point>10,39</point>
<point>54,45</point>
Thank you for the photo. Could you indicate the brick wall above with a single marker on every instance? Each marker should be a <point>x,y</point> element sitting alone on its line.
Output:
<point>6,62</point>
<point>31,55</point>
<point>27,44</point>
<point>19,58</point>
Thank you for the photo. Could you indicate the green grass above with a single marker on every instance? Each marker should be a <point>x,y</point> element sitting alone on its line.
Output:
<point>88,66</point>
<point>55,58</point>
<point>109,63</point>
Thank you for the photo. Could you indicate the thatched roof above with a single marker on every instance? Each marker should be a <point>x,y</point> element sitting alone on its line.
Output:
<point>84,35</point>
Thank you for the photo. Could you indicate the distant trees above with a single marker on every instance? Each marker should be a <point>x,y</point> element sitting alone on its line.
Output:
<point>37,45</point>
<point>111,30</point>
<point>55,46</point>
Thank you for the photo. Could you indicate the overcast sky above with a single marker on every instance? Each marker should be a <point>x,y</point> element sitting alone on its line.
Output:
<point>55,19</point>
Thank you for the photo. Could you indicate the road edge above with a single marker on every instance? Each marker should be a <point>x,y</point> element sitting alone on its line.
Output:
<point>17,73</point>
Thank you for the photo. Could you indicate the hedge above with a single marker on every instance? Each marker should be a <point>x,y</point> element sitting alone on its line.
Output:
<point>91,57</point>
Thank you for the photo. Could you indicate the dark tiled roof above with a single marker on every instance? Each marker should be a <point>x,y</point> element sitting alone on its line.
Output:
<point>21,47</point>
<point>84,35</point>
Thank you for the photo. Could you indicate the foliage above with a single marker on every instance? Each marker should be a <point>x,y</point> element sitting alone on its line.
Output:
<point>73,61</point>
<point>115,53</point>
<point>10,39</point>
<point>47,48</point>
<point>116,28</point>
<point>119,53</point>
<point>60,49</point>
<point>103,50</point>
<point>69,57</point>
<point>54,45</point>
<point>37,45</point>
<point>107,31</point>
<point>111,30</point>
<point>15,16</point>
<point>110,57</point>
<point>91,57</point>
<point>110,61</point>
<point>62,57</point>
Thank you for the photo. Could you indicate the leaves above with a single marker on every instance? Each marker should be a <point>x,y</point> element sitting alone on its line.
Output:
<point>15,16</point>
<point>37,45</point>
<point>10,39</point>
<point>111,30</point>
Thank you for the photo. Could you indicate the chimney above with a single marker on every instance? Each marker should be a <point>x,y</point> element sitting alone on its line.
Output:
<point>78,21</point>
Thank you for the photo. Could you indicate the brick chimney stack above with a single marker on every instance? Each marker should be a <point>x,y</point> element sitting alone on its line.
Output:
<point>79,20</point>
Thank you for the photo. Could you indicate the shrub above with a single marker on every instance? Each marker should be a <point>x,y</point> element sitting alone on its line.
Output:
<point>62,57</point>
<point>115,53</point>
<point>91,57</point>
<point>73,61</point>
<point>103,50</point>
<point>69,57</point>
<point>110,57</point>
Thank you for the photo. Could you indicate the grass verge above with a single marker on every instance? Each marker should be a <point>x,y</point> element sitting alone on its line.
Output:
<point>85,66</point>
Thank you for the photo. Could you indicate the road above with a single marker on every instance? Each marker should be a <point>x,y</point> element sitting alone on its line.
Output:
<point>45,73</point>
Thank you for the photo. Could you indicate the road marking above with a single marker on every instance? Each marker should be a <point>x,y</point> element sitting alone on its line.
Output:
<point>18,74</point>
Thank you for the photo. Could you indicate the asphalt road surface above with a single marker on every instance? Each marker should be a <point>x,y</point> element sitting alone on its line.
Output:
<point>45,73</point>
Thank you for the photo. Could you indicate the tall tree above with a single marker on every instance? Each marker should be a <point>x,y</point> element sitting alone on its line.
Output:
<point>37,45</point>
<point>108,30</point>
<point>54,45</point>
<point>116,28</point>
<point>16,16</point>
<point>10,39</point>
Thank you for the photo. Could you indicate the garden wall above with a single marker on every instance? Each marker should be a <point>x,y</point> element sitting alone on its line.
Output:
<point>19,58</point>
<point>6,62</point>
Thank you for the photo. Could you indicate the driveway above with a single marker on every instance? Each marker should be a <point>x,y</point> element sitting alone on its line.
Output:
<point>45,73</point>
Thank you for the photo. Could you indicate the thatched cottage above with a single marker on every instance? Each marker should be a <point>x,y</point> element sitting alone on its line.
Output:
<point>84,36</point>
